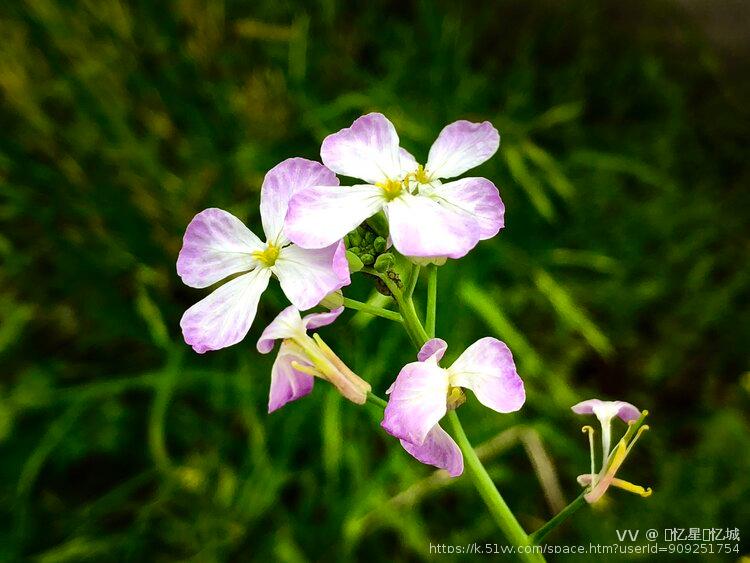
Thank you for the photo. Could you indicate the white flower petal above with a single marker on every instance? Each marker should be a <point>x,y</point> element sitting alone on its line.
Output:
<point>281,182</point>
<point>216,245</point>
<point>422,227</point>
<point>322,215</point>
<point>477,197</point>
<point>308,275</point>
<point>224,317</point>
<point>368,150</point>
<point>461,146</point>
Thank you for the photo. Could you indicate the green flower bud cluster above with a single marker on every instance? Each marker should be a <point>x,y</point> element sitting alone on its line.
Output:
<point>365,247</point>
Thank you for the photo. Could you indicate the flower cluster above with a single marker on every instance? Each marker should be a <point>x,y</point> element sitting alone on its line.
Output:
<point>317,233</point>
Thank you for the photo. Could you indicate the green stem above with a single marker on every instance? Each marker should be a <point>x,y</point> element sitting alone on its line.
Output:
<point>375,400</point>
<point>413,327</point>
<point>489,493</point>
<point>373,310</point>
<point>431,301</point>
<point>537,537</point>
<point>412,282</point>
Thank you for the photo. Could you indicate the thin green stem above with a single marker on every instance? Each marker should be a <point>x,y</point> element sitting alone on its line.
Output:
<point>373,310</point>
<point>431,301</point>
<point>537,537</point>
<point>413,327</point>
<point>412,281</point>
<point>500,511</point>
<point>375,400</point>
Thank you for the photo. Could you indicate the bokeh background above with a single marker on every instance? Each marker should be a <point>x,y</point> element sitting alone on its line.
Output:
<point>622,272</point>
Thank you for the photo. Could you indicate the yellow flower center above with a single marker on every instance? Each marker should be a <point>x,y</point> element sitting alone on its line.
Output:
<point>391,188</point>
<point>268,256</point>
<point>420,176</point>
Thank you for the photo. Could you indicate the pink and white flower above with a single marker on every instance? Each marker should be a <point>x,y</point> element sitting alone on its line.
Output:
<point>427,218</point>
<point>302,358</point>
<point>597,482</point>
<point>218,245</point>
<point>424,392</point>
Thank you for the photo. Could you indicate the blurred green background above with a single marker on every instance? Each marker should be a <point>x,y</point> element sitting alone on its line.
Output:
<point>622,272</point>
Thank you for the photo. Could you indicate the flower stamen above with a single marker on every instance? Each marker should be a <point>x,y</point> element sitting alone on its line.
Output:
<point>391,188</point>
<point>268,256</point>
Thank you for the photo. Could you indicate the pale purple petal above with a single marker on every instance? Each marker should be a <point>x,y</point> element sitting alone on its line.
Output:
<point>307,276</point>
<point>288,384</point>
<point>287,324</point>
<point>317,320</point>
<point>438,449</point>
<point>422,227</point>
<point>417,401</point>
<point>322,215</point>
<point>280,183</point>
<point>433,348</point>
<point>487,368</point>
<point>368,150</point>
<point>224,317</point>
<point>216,245</point>
<point>479,198</point>
<point>461,146</point>
<point>606,410</point>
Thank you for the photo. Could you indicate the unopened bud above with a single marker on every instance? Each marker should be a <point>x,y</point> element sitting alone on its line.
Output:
<point>367,259</point>
<point>379,245</point>
<point>355,264</point>
<point>384,262</point>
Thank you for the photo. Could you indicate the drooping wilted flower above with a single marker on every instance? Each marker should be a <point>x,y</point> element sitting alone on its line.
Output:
<point>218,245</point>
<point>598,482</point>
<point>302,358</point>
<point>426,217</point>
<point>424,392</point>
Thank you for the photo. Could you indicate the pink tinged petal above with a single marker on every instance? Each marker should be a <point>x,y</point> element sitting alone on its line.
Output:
<point>606,410</point>
<point>307,276</point>
<point>433,348</point>
<point>317,320</point>
<point>422,227</point>
<point>224,317</point>
<point>439,450</point>
<point>288,384</point>
<point>417,401</point>
<point>368,150</point>
<point>216,245</point>
<point>287,324</point>
<point>322,215</point>
<point>461,146</point>
<point>281,182</point>
<point>486,367</point>
<point>477,197</point>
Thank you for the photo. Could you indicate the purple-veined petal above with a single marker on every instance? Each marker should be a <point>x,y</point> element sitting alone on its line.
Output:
<point>417,401</point>
<point>487,368</point>
<point>322,215</point>
<point>422,227</point>
<point>280,183</point>
<point>479,198</point>
<point>461,146</point>
<point>368,150</point>
<point>307,276</point>
<point>216,245</point>
<point>287,324</point>
<point>224,317</point>
<point>433,348</point>
<point>288,384</point>
<point>317,320</point>
<point>606,410</point>
<point>438,449</point>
